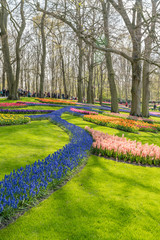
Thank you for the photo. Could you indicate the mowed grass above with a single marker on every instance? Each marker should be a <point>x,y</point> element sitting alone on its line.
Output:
<point>24,144</point>
<point>107,200</point>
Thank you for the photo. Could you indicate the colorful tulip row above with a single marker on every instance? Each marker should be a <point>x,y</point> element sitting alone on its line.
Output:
<point>27,183</point>
<point>122,124</point>
<point>122,115</point>
<point>122,149</point>
<point>112,122</point>
<point>11,119</point>
<point>24,111</point>
<point>56,101</point>
<point>83,111</point>
<point>34,103</point>
<point>10,105</point>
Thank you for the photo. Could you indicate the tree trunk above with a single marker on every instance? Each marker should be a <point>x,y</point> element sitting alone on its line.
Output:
<point>136,64</point>
<point>43,60</point>
<point>5,50</point>
<point>146,92</point>
<point>80,47</point>
<point>101,91</point>
<point>111,74</point>
<point>63,73</point>
<point>89,88</point>
<point>28,78</point>
<point>84,82</point>
<point>94,86</point>
<point>80,67</point>
<point>18,40</point>
<point>22,71</point>
<point>12,82</point>
<point>90,97</point>
<point>134,29</point>
<point>146,66</point>
<point>136,89</point>
<point>53,79</point>
<point>68,77</point>
<point>3,78</point>
<point>112,84</point>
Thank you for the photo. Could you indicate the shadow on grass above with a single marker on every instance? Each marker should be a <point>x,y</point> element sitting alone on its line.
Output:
<point>103,201</point>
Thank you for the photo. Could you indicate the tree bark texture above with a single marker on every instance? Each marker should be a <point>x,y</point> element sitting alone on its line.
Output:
<point>11,80</point>
<point>43,60</point>
<point>63,73</point>
<point>146,66</point>
<point>134,29</point>
<point>5,50</point>
<point>80,47</point>
<point>90,94</point>
<point>111,74</point>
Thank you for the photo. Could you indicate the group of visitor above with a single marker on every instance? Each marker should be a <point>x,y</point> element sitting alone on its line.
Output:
<point>4,92</point>
<point>25,93</point>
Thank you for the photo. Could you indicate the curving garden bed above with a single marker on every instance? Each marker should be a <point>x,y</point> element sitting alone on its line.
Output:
<point>24,111</point>
<point>12,105</point>
<point>122,149</point>
<point>11,119</point>
<point>26,183</point>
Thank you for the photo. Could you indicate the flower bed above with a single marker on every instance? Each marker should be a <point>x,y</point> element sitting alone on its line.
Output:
<point>112,122</point>
<point>127,125</point>
<point>32,103</point>
<point>11,119</point>
<point>157,113</point>
<point>26,183</point>
<point>122,115</point>
<point>56,101</point>
<point>122,149</point>
<point>10,105</point>
<point>83,111</point>
<point>24,111</point>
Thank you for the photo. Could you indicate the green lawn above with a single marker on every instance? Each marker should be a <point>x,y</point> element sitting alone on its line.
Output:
<point>24,144</point>
<point>107,200</point>
<point>23,99</point>
<point>156,118</point>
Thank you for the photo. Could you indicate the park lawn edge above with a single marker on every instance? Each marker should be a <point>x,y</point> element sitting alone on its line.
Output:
<point>55,188</point>
<point>46,194</point>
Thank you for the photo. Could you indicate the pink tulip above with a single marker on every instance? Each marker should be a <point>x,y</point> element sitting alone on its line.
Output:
<point>123,146</point>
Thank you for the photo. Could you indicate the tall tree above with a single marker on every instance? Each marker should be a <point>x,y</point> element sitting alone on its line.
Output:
<point>11,79</point>
<point>90,63</point>
<point>43,60</point>
<point>134,29</point>
<point>146,65</point>
<point>80,48</point>
<point>111,73</point>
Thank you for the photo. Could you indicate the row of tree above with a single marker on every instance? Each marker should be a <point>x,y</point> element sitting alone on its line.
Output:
<point>79,47</point>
